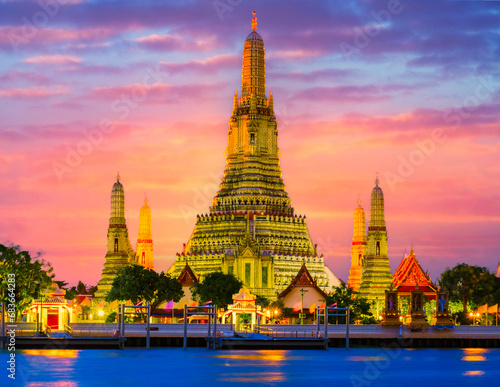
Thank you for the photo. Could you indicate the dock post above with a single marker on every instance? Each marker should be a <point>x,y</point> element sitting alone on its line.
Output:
<point>326,322</point>
<point>184,342</point>
<point>148,329</point>
<point>347,329</point>
<point>209,318</point>
<point>215,325</point>
<point>3,325</point>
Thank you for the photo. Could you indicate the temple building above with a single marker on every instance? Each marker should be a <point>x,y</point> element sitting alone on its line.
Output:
<point>409,276</point>
<point>251,229</point>
<point>144,247</point>
<point>119,250</point>
<point>358,248</point>
<point>376,275</point>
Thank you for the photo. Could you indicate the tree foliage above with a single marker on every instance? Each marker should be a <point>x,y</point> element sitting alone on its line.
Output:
<point>32,275</point>
<point>136,283</point>
<point>470,283</point>
<point>359,307</point>
<point>218,287</point>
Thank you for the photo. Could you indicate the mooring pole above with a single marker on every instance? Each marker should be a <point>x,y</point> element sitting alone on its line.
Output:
<point>209,333</point>
<point>184,342</point>
<point>215,325</point>
<point>148,328</point>
<point>326,322</point>
<point>347,330</point>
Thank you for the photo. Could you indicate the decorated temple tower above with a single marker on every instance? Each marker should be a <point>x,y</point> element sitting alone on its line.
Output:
<point>358,247</point>
<point>376,275</point>
<point>119,250</point>
<point>144,247</point>
<point>251,229</point>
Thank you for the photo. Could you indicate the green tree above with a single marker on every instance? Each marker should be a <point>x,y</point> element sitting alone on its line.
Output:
<point>81,288</point>
<point>470,283</point>
<point>262,301</point>
<point>218,287</point>
<point>31,275</point>
<point>136,283</point>
<point>359,307</point>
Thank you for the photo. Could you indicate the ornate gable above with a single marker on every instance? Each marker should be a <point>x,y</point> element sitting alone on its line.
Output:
<point>409,274</point>
<point>187,277</point>
<point>302,279</point>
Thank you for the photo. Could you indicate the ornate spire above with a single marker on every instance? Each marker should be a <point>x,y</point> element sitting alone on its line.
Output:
<point>117,203</point>
<point>254,22</point>
<point>377,218</point>
<point>253,79</point>
<point>118,175</point>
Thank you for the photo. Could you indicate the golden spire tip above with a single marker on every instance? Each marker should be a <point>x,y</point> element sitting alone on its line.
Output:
<point>254,22</point>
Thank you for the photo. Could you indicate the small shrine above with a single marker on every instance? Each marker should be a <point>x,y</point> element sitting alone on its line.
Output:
<point>391,310</point>
<point>409,276</point>
<point>442,315</point>
<point>52,309</point>
<point>170,312</point>
<point>302,295</point>
<point>417,312</point>
<point>243,312</point>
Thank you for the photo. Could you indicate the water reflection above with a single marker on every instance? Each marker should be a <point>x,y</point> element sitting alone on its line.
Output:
<point>59,363</point>
<point>52,353</point>
<point>262,360</point>
<point>474,354</point>
<point>473,373</point>
<point>252,377</point>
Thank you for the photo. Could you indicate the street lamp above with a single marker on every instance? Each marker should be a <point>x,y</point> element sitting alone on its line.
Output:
<point>301,316</point>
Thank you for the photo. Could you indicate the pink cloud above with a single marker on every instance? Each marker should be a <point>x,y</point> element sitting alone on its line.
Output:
<point>53,59</point>
<point>207,66</point>
<point>179,43</point>
<point>157,93</point>
<point>34,92</point>
<point>17,37</point>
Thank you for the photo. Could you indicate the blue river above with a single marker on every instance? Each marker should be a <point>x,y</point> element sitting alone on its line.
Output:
<point>204,367</point>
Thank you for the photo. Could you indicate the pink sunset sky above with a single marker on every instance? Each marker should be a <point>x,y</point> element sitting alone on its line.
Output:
<point>409,90</point>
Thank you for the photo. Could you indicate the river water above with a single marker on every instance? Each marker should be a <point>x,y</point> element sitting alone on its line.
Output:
<point>204,367</point>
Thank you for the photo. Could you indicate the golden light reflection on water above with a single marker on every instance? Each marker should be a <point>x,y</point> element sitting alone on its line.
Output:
<point>474,354</point>
<point>265,356</point>
<point>473,373</point>
<point>52,353</point>
<point>252,377</point>
<point>52,384</point>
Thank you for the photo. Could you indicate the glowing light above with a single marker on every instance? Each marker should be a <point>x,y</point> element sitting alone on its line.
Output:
<point>52,353</point>
<point>254,377</point>
<point>473,358</point>
<point>473,373</point>
<point>100,313</point>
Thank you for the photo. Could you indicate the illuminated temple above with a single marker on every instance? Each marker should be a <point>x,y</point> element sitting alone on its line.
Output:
<point>358,247</point>
<point>376,275</point>
<point>119,250</point>
<point>251,229</point>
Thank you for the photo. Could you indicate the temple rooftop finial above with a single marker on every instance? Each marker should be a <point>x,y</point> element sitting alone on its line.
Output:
<point>118,175</point>
<point>254,22</point>
<point>145,198</point>
<point>376,180</point>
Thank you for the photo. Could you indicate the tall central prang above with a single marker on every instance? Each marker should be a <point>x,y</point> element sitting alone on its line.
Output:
<point>251,230</point>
